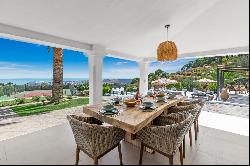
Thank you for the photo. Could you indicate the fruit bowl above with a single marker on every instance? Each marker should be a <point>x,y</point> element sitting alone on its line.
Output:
<point>161,94</point>
<point>130,102</point>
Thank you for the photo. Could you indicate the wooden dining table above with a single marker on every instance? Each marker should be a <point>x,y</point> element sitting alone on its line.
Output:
<point>132,119</point>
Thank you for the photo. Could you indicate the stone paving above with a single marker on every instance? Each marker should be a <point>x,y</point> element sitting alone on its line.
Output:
<point>240,99</point>
<point>18,126</point>
<point>7,113</point>
<point>225,109</point>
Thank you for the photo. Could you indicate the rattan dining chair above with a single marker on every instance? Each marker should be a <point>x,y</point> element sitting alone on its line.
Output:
<point>194,103</point>
<point>93,138</point>
<point>164,138</point>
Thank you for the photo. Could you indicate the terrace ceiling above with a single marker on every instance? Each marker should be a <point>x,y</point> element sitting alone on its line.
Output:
<point>130,29</point>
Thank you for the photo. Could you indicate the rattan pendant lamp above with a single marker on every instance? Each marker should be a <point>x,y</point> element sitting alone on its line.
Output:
<point>167,51</point>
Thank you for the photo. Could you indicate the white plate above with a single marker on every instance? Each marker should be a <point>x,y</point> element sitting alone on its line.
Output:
<point>148,109</point>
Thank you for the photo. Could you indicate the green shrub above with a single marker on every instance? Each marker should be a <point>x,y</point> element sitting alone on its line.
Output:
<point>48,98</point>
<point>190,84</point>
<point>28,101</point>
<point>43,100</point>
<point>176,85</point>
<point>36,98</point>
<point>7,103</point>
<point>69,97</point>
<point>106,89</point>
<point>20,101</point>
<point>212,87</point>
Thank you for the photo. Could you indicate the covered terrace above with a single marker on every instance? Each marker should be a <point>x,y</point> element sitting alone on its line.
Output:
<point>132,30</point>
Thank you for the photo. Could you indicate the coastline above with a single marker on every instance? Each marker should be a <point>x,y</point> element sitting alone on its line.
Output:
<point>22,81</point>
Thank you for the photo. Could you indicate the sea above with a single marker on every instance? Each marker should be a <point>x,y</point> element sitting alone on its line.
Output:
<point>22,81</point>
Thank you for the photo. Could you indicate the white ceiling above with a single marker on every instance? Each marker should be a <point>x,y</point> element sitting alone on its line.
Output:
<point>135,27</point>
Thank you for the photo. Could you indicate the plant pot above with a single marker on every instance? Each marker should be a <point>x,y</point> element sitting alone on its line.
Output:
<point>224,94</point>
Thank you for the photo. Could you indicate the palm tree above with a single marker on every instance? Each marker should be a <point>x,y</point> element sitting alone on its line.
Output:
<point>57,87</point>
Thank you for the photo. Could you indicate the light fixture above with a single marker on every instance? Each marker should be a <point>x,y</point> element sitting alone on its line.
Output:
<point>167,51</point>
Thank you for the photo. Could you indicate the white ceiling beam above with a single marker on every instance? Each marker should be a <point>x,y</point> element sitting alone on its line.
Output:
<point>220,52</point>
<point>121,55</point>
<point>211,53</point>
<point>20,34</point>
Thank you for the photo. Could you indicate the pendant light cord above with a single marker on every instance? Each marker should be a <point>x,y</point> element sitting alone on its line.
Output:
<point>167,27</point>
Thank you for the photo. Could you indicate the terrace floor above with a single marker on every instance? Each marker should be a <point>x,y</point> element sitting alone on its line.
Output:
<point>47,139</point>
<point>213,115</point>
<point>55,145</point>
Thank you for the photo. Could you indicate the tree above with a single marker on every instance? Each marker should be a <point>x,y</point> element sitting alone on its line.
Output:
<point>57,87</point>
<point>8,89</point>
<point>135,81</point>
<point>160,73</point>
<point>83,87</point>
<point>106,88</point>
<point>1,90</point>
<point>131,88</point>
<point>189,84</point>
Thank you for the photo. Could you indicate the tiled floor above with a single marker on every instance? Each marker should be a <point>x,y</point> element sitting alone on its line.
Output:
<point>55,145</point>
<point>233,124</point>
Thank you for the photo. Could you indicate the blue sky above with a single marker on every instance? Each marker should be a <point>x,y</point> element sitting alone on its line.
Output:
<point>25,60</point>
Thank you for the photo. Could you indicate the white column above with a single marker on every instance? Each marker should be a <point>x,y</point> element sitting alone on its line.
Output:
<point>95,75</point>
<point>143,65</point>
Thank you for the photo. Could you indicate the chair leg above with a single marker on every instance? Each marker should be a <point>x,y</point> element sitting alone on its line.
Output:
<point>198,129</point>
<point>95,161</point>
<point>195,131</point>
<point>77,155</point>
<point>181,155</point>
<point>171,160</point>
<point>184,147</point>
<point>190,137</point>
<point>120,153</point>
<point>141,153</point>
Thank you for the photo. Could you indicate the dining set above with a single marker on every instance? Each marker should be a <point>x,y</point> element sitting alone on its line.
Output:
<point>156,125</point>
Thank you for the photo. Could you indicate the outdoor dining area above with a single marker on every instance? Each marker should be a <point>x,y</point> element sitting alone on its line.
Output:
<point>159,124</point>
<point>157,127</point>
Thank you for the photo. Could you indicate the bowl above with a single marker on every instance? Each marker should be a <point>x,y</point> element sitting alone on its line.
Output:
<point>161,94</point>
<point>108,108</point>
<point>160,98</point>
<point>130,102</point>
<point>148,104</point>
<point>116,100</point>
<point>172,96</point>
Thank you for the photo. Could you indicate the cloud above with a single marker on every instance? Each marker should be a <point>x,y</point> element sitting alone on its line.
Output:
<point>22,73</point>
<point>10,70</point>
<point>121,63</point>
<point>130,72</point>
<point>12,65</point>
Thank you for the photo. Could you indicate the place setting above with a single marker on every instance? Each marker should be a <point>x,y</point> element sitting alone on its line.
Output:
<point>116,101</point>
<point>109,110</point>
<point>147,106</point>
<point>161,98</point>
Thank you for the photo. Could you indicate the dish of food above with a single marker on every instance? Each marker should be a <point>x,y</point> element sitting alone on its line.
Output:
<point>148,106</point>
<point>161,94</point>
<point>130,102</point>
<point>160,99</point>
<point>109,110</point>
<point>116,100</point>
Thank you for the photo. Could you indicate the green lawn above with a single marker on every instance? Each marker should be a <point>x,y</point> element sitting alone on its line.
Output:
<point>40,108</point>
